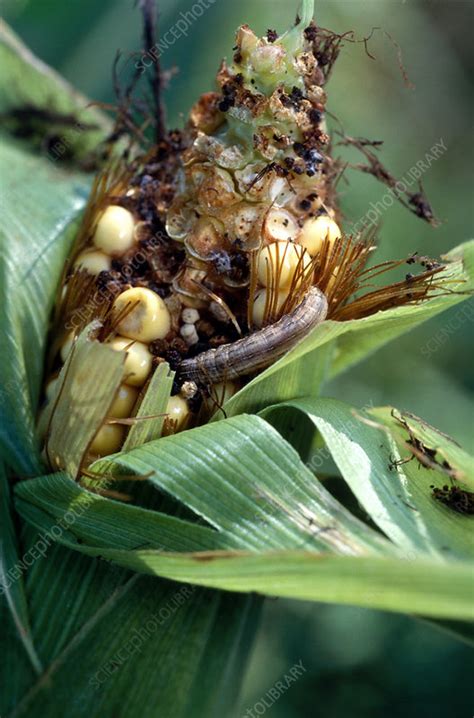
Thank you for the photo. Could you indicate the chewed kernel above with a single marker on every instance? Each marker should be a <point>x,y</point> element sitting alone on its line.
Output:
<point>280,225</point>
<point>316,230</point>
<point>246,40</point>
<point>139,360</point>
<point>114,233</point>
<point>93,261</point>
<point>141,315</point>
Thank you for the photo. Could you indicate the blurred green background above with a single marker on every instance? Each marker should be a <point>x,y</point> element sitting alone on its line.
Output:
<point>359,663</point>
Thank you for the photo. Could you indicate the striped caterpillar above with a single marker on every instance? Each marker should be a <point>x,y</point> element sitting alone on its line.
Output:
<point>260,349</point>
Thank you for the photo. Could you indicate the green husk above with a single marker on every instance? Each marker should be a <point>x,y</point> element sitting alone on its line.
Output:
<point>154,406</point>
<point>88,384</point>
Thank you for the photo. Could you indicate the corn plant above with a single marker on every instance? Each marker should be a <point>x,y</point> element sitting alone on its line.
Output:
<point>172,305</point>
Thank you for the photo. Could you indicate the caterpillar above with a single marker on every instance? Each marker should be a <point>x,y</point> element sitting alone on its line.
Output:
<point>258,350</point>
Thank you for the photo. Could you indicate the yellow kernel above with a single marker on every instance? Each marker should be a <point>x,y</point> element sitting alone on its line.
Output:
<point>93,261</point>
<point>114,233</point>
<point>138,362</point>
<point>145,315</point>
<point>219,394</point>
<point>259,315</point>
<point>124,402</point>
<point>108,440</point>
<point>192,302</point>
<point>315,230</point>
<point>178,414</point>
<point>279,225</point>
<point>280,261</point>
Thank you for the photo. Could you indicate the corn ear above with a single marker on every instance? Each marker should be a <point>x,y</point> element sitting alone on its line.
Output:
<point>214,233</point>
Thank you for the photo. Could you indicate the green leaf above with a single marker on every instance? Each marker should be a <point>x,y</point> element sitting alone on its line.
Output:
<point>120,642</point>
<point>463,253</point>
<point>445,453</point>
<point>40,204</point>
<point>91,641</point>
<point>274,523</point>
<point>424,587</point>
<point>244,479</point>
<point>31,83</point>
<point>38,226</point>
<point>13,602</point>
<point>396,497</point>
<point>56,500</point>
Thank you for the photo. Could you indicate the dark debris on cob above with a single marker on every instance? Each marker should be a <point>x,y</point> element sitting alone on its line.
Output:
<point>215,233</point>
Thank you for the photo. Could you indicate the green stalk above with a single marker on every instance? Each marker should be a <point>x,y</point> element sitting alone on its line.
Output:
<point>292,39</point>
<point>306,13</point>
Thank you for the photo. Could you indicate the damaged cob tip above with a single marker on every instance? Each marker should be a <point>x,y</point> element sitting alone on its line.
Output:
<point>203,260</point>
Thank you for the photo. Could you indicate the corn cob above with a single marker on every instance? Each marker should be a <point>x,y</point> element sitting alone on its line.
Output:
<point>222,242</point>
<point>257,197</point>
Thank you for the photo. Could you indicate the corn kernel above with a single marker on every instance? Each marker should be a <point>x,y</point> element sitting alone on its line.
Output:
<point>114,233</point>
<point>124,402</point>
<point>316,230</point>
<point>192,302</point>
<point>189,334</point>
<point>243,222</point>
<point>93,261</point>
<point>220,393</point>
<point>207,237</point>
<point>280,261</point>
<point>190,316</point>
<point>145,315</point>
<point>178,411</point>
<point>259,304</point>
<point>108,440</point>
<point>279,225</point>
<point>138,362</point>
